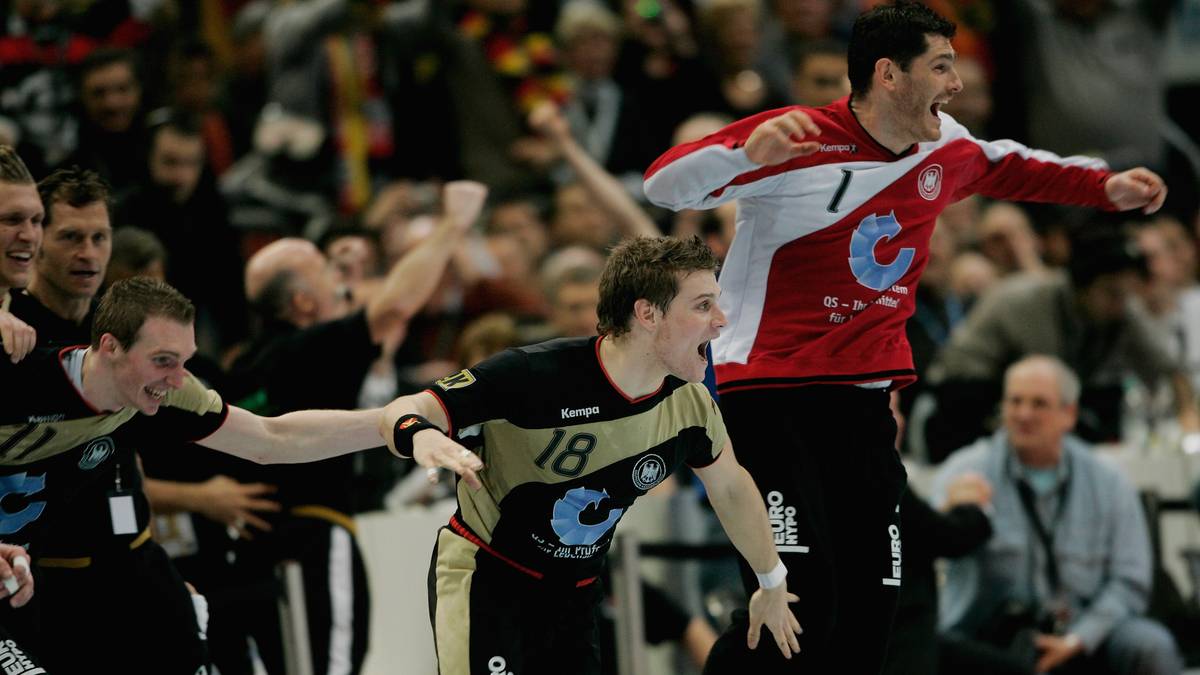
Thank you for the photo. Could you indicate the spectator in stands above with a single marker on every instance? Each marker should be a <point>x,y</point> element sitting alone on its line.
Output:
<point>819,73</point>
<point>602,113</point>
<point>1082,317</point>
<point>41,44</point>
<point>181,206</point>
<point>196,84</point>
<point>1064,580</point>
<point>311,351</point>
<point>574,295</point>
<point>1006,237</point>
<point>112,139</point>
<point>733,31</point>
<point>521,217</point>
<point>136,253</point>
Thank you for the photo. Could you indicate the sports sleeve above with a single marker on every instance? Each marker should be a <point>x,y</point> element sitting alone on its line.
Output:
<point>486,391</point>
<point>191,412</point>
<point>713,170</point>
<point>706,452</point>
<point>1009,170</point>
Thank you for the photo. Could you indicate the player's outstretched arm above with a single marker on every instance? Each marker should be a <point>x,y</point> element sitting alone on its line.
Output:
<point>414,427</point>
<point>297,437</point>
<point>738,504</point>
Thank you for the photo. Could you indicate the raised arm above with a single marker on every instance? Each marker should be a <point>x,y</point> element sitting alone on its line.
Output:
<point>548,120</point>
<point>721,166</point>
<point>412,280</point>
<point>738,504</point>
<point>297,437</point>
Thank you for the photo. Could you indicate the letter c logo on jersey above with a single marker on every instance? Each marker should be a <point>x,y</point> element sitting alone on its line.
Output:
<point>20,484</point>
<point>571,530</point>
<point>867,270</point>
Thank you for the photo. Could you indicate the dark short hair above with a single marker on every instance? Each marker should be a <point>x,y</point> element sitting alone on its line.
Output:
<point>179,121</point>
<point>646,268</point>
<point>129,302</point>
<point>893,31</point>
<point>801,52</point>
<point>136,249</point>
<point>12,167</point>
<point>106,56</point>
<point>576,275</point>
<point>74,187</point>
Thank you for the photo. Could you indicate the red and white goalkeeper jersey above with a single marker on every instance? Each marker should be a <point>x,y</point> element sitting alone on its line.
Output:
<point>823,271</point>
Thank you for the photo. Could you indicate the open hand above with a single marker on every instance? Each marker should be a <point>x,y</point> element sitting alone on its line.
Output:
<point>769,607</point>
<point>235,504</point>
<point>433,450</point>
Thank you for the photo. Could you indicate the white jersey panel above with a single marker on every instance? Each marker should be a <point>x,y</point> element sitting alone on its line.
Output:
<point>763,226</point>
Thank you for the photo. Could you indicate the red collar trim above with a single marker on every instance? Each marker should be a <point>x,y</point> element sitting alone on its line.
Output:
<point>614,384</point>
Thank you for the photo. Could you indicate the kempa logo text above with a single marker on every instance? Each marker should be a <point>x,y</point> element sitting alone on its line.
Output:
<point>568,413</point>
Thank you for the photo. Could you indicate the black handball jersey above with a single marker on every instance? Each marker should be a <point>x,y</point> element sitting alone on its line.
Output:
<point>566,452</point>
<point>52,442</point>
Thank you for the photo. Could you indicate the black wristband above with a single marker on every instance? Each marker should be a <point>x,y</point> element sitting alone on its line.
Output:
<point>404,430</point>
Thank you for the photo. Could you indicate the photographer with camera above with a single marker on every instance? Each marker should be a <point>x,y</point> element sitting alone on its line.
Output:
<point>1063,582</point>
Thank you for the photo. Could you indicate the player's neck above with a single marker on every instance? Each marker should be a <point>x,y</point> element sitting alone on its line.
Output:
<point>631,366</point>
<point>878,118</point>
<point>96,387</point>
<point>69,308</point>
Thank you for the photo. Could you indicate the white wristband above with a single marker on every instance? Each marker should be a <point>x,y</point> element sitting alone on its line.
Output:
<point>773,578</point>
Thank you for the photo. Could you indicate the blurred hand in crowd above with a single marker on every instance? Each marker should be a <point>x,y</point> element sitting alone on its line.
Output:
<point>969,488</point>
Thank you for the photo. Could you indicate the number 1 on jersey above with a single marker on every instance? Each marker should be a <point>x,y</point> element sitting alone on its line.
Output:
<point>841,191</point>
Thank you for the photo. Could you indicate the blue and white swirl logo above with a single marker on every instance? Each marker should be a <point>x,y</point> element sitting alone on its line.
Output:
<point>567,525</point>
<point>96,452</point>
<point>866,268</point>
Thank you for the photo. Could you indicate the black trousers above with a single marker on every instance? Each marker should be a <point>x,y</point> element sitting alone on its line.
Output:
<point>127,613</point>
<point>491,619</point>
<point>825,462</point>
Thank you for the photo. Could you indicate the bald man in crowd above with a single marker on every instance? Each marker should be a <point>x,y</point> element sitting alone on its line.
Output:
<point>312,350</point>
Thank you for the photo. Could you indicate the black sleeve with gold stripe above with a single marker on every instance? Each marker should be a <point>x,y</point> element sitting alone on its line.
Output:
<point>483,392</point>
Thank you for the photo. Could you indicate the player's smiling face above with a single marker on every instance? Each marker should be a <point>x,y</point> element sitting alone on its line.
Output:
<point>153,365</point>
<point>922,90</point>
<point>691,321</point>
<point>20,232</point>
